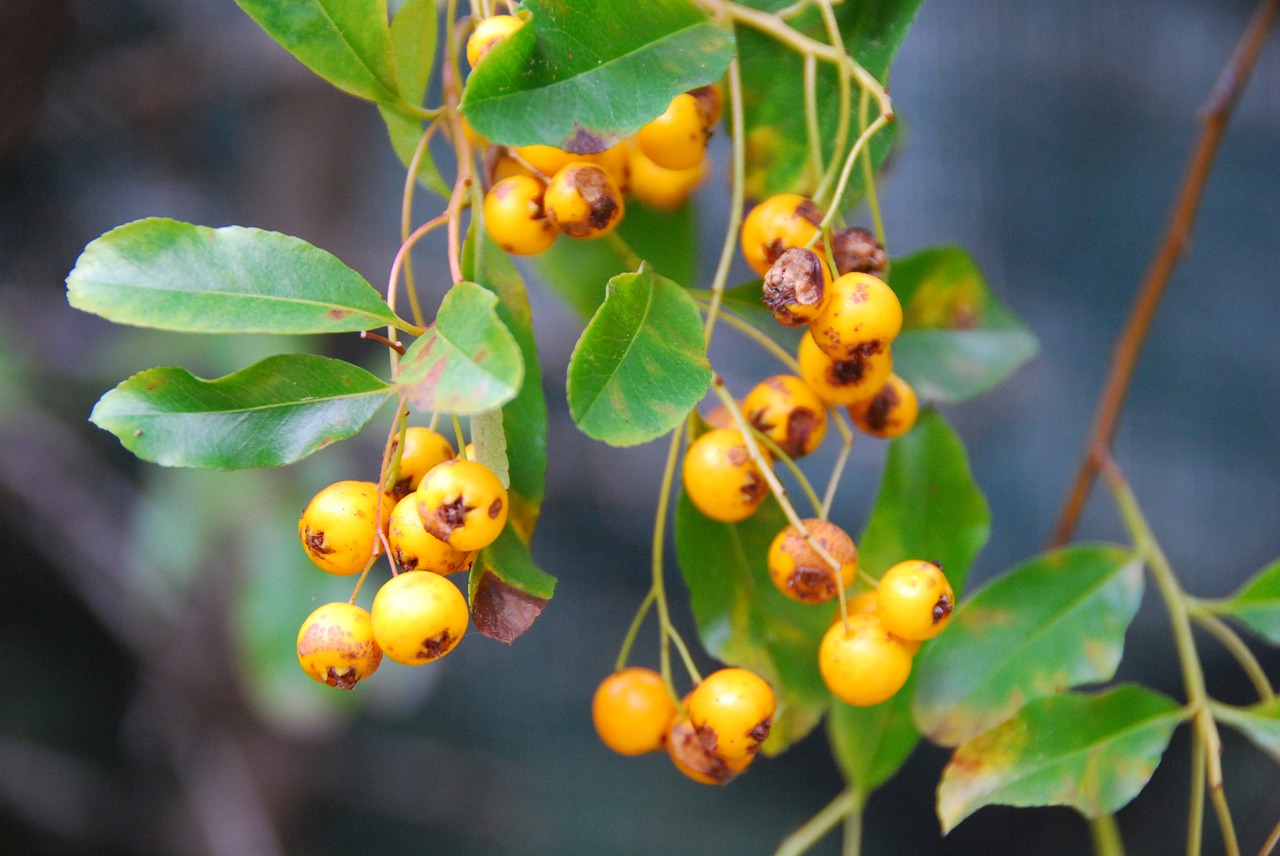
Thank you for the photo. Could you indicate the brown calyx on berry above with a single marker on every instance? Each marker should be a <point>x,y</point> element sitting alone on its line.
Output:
<point>594,186</point>
<point>855,249</point>
<point>794,281</point>
<point>943,608</point>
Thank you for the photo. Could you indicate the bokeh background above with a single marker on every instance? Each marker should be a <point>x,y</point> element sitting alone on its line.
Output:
<point>152,702</point>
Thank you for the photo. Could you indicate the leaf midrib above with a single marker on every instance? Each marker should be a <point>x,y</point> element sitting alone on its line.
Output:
<point>297,402</point>
<point>631,341</point>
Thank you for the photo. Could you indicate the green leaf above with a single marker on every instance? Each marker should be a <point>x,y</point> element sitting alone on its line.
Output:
<point>744,621</point>
<point>958,340</point>
<point>508,591</point>
<point>1257,604</point>
<point>773,85</point>
<point>524,418</point>
<point>272,413</point>
<point>413,44</point>
<point>1093,753</point>
<point>1260,723</point>
<point>928,507</point>
<point>344,41</point>
<point>578,270</point>
<point>1055,622</point>
<point>175,276</point>
<point>641,363</point>
<point>467,362</point>
<point>583,75</point>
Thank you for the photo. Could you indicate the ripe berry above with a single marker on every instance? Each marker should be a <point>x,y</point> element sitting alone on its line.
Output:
<point>583,201</point>
<point>777,224</point>
<point>488,33</point>
<point>787,411</point>
<point>695,760</point>
<point>864,664</point>
<point>799,572</point>
<point>862,318</point>
<point>338,530</point>
<point>868,602</point>
<point>659,187</point>
<point>732,711</point>
<point>631,710</point>
<point>418,617</point>
<point>416,549</point>
<point>336,645</point>
<point>514,216</point>
<point>678,138</point>
<point>890,413</point>
<point>915,600</point>
<point>843,381</point>
<point>711,99</point>
<point>855,249</point>
<point>720,478</point>
<point>423,449</point>
<point>549,160</point>
<point>463,504</point>
<point>797,287</point>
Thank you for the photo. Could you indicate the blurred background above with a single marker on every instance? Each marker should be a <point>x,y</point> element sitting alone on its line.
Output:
<point>148,616</point>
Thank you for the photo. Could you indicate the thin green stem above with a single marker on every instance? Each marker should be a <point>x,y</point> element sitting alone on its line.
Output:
<point>738,160</point>
<point>1106,836</point>
<point>630,258</point>
<point>779,455</point>
<point>754,333</point>
<point>665,629</point>
<point>1272,840</point>
<point>633,631</point>
<point>847,802</point>
<point>833,209</point>
<point>869,179</point>
<point>853,831</point>
<point>1229,639</point>
<point>1195,813</point>
<point>811,115</point>
<point>458,436</point>
<point>406,219</point>
<point>846,102</point>
<point>842,458</point>
<point>1192,673</point>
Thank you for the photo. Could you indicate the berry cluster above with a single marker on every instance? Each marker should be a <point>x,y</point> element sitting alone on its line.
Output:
<point>432,520</point>
<point>537,192</point>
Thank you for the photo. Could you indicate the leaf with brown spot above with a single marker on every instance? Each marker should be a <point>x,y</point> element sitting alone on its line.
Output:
<point>1093,753</point>
<point>507,590</point>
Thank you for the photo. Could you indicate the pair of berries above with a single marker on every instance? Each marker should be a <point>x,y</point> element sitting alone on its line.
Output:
<point>711,737</point>
<point>867,659</point>
<point>417,617</point>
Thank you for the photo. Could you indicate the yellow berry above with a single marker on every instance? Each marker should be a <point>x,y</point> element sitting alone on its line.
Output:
<point>678,138</point>
<point>695,760</point>
<point>786,410</point>
<point>660,187</point>
<point>488,33</point>
<point>863,664</point>
<point>336,645</point>
<point>843,381</point>
<point>720,478</point>
<point>800,572</point>
<point>890,413</point>
<point>418,617</point>
<point>631,710</point>
<point>862,317</point>
<point>338,528</point>
<point>514,216</point>
<point>775,225</point>
<point>416,549</point>
<point>463,504</point>
<point>583,201</point>
<point>915,600</point>
<point>423,449</point>
<point>731,712</point>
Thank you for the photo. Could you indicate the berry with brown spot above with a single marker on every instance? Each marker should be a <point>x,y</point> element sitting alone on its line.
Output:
<point>488,33</point>
<point>515,218</point>
<point>695,760</point>
<point>418,617</point>
<point>336,645</point>
<point>583,201</point>
<point>732,711</point>
<point>339,530</point>
<point>862,663</point>
<point>797,288</point>
<point>423,449</point>
<point>720,478</point>
<point>890,413</point>
<point>775,225</point>
<point>462,503</point>
<point>416,549</point>
<point>844,381</point>
<point>678,138</point>
<point>862,316</point>
<point>799,572</point>
<point>786,410</point>
<point>915,600</point>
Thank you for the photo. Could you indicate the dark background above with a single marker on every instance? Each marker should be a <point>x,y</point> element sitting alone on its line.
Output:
<point>152,701</point>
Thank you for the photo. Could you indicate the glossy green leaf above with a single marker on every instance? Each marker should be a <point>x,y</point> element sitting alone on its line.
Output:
<point>1260,723</point>
<point>958,340</point>
<point>344,41</point>
<point>1093,753</point>
<point>508,591</point>
<point>640,365</point>
<point>524,418</point>
<point>744,621</point>
<point>928,507</point>
<point>272,413</point>
<point>175,276</point>
<point>585,74</point>
<point>578,270</point>
<point>1257,604</point>
<point>467,362</point>
<point>413,44</point>
<point>1057,621</point>
<point>776,140</point>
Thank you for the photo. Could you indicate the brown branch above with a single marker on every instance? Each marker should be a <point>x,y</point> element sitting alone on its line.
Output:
<point>1216,114</point>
